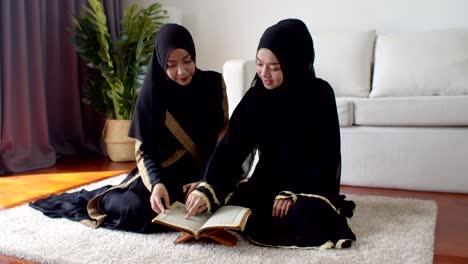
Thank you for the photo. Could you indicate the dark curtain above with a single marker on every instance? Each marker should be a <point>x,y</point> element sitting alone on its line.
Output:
<point>41,76</point>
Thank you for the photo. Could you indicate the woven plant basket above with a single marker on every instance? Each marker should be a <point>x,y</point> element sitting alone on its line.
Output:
<point>119,146</point>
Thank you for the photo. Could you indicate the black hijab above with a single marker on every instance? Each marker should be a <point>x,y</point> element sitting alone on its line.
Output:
<point>292,45</point>
<point>290,41</point>
<point>149,115</point>
<point>188,104</point>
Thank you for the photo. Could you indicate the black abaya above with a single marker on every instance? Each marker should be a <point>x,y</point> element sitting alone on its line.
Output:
<point>199,108</point>
<point>295,129</point>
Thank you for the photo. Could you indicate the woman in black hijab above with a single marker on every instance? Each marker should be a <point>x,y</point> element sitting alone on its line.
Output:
<point>180,113</point>
<point>289,115</point>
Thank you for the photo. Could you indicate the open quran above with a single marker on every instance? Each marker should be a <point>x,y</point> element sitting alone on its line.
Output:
<point>206,225</point>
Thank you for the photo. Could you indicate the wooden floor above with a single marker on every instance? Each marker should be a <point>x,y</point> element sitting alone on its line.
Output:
<point>451,235</point>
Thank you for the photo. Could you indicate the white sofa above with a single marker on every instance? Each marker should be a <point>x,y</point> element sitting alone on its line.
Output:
<point>402,101</point>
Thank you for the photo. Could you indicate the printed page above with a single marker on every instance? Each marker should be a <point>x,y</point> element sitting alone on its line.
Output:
<point>228,216</point>
<point>175,217</point>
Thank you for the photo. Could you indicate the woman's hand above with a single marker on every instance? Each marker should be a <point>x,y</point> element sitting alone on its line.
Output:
<point>281,207</point>
<point>157,196</point>
<point>188,188</point>
<point>194,205</point>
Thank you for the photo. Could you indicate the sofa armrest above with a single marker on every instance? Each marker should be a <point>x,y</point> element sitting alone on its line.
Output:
<point>238,76</point>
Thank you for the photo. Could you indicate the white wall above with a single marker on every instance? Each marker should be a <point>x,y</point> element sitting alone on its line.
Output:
<point>230,29</point>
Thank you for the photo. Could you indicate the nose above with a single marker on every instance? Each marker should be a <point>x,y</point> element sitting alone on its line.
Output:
<point>264,71</point>
<point>181,70</point>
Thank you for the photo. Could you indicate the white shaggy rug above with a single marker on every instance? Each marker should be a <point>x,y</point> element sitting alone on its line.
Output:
<point>388,230</point>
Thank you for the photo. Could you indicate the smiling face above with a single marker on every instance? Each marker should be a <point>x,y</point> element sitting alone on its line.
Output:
<point>180,67</point>
<point>268,69</point>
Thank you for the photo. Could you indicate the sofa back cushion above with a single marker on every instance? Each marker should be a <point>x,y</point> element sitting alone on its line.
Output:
<point>421,64</point>
<point>344,59</point>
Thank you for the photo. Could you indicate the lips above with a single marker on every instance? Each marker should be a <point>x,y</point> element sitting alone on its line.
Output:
<point>267,82</point>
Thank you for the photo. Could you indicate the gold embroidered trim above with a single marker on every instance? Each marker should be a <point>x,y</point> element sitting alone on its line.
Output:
<point>203,196</point>
<point>326,245</point>
<point>311,195</point>
<point>320,197</point>
<point>228,198</point>
<point>282,197</point>
<point>225,105</point>
<point>141,165</point>
<point>175,157</point>
<point>181,136</point>
<point>293,196</point>
<point>96,217</point>
<point>90,223</point>
<point>208,186</point>
<point>340,242</point>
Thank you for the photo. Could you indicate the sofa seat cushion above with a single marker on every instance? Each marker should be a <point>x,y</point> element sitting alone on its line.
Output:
<point>415,111</point>
<point>421,64</point>
<point>345,110</point>
<point>412,158</point>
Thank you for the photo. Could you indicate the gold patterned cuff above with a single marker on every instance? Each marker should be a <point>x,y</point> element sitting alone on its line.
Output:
<point>208,186</point>
<point>228,197</point>
<point>287,195</point>
<point>203,196</point>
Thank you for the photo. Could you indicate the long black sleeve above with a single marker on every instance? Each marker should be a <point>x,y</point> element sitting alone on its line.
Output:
<point>225,166</point>
<point>149,166</point>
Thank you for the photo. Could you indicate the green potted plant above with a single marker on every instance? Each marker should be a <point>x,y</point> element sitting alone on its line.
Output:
<point>116,71</point>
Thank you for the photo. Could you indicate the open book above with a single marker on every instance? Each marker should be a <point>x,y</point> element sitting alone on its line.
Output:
<point>210,225</point>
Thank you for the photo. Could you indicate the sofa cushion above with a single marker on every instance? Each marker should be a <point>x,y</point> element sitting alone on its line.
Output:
<point>344,59</point>
<point>345,111</point>
<point>414,158</point>
<point>414,111</point>
<point>420,64</point>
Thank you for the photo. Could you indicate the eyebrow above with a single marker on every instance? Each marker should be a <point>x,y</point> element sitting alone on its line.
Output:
<point>186,56</point>
<point>274,63</point>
